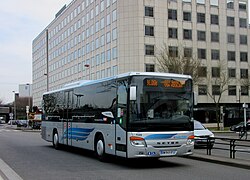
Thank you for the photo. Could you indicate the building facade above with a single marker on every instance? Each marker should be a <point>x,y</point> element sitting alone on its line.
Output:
<point>92,39</point>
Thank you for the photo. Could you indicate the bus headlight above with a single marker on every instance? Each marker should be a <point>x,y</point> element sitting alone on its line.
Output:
<point>137,141</point>
<point>190,140</point>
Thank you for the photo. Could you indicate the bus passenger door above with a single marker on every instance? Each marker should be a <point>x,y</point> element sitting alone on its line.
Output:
<point>68,120</point>
<point>121,122</point>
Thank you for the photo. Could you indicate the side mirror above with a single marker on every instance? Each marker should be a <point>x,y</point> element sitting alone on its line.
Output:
<point>132,93</point>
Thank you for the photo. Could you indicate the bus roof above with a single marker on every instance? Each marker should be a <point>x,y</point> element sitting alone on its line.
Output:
<point>128,74</point>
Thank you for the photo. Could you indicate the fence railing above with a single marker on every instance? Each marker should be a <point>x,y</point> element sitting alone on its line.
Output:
<point>228,144</point>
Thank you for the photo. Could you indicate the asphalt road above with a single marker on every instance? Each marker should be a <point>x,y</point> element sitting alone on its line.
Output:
<point>33,158</point>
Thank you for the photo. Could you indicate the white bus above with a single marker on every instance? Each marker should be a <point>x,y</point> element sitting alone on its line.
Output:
<point>132,115</point>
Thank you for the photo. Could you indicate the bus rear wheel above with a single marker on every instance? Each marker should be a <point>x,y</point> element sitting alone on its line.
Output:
<point>100,148</point>
<point>55,140</point>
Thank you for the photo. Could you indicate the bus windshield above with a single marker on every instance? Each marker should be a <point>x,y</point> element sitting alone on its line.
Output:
<point>161,105</point>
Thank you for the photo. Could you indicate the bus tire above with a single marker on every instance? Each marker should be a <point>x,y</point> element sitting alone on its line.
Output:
<point>55,140</point>
<point>100,148</point>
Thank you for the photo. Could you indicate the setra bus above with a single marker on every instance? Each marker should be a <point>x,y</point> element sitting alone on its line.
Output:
<point>132,115</point>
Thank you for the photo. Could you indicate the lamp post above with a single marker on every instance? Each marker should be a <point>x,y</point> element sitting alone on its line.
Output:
<point>14,106</point>
<point>29,104</point>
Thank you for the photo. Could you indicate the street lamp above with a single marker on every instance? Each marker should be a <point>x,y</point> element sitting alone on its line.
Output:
<point>29,103</point>
<point>87,66</point>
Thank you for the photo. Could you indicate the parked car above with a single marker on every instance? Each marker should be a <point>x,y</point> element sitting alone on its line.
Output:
<point>13,122</point>
<point>239,127</point>
<point>21,123</point>
<point>201,134</point>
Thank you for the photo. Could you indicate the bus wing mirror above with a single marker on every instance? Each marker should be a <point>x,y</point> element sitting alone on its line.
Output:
<point>133,93</point>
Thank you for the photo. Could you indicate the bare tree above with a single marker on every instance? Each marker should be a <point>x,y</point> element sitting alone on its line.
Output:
<point>172,59</point>
<point>219,82</point>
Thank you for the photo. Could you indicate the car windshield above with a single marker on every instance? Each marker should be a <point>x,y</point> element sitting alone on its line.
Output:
<point>198,126</point>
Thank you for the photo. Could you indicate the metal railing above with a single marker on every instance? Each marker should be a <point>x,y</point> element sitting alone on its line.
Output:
<point>229,144</point>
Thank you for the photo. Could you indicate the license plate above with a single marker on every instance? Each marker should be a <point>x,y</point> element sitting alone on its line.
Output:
<point>168,153</point>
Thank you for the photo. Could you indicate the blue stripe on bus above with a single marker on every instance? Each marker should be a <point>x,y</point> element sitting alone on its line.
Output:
<point>79,134</point>
<point>159,136</point>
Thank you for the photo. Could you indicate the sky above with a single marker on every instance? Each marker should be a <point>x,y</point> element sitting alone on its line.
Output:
<point>21,21</point>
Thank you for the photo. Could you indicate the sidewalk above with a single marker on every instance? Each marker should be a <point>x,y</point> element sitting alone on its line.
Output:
<point>221,160</point>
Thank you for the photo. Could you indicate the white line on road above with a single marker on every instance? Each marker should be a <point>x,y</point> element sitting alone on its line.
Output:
<point>8,172</point>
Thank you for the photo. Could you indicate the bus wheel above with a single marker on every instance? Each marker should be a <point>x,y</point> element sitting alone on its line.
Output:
<point>100,148</point>
<point>55,140</point>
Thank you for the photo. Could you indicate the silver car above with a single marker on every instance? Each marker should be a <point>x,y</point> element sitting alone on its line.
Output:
<point>201,134</point>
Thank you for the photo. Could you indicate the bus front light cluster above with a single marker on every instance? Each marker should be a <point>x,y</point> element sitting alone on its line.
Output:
<point>137,141</point>
<point>190,140</point>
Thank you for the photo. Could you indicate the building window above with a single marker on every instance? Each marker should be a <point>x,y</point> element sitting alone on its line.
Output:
<point>215,89</point>
<point>201,35</point>
<point>150,68</point>
<point>114,34</point>
<point>215,54</point>
<point>114,16</point>
<point>215,37</point>
<point>230,4</point>
<point>173,51</point>
<point>114,52</point>
<point>202,72</point>
<point>187,16</point>
<point>187,34</point>
<point>214,2</point>
<point>201,18</point>
<point>243,56</point>
<point>172,33</point>
<point>200,1</point>
<point>172,14</point>
<point>108,37</point>
<point>202,53</point>
<point>230,38</point>
<point>188,52</point>
<point>231,73</point>
<point>244,73</point>
<point>242,6</point>
<point>231,55</point>
<point>215,72</point>
<point>149,50</point>
<point>202,89</point>
<point>243,23</point>
<point>149,30</point>
<point>149,11</point>
<point>243,39</point>
<point>214,19</point>
<point>231,90</point>
<point>244,90</point>
<point>230,21</point>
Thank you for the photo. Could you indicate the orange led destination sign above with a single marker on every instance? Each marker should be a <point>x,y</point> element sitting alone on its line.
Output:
<point>152,82</point>
<point>172,83</point>
<point>167,83</point>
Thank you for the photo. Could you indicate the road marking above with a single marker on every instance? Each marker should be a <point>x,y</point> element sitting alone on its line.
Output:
<point>8,172</point>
